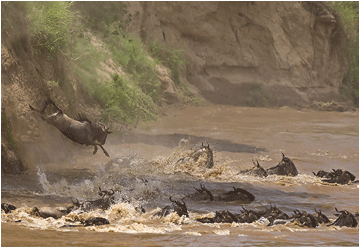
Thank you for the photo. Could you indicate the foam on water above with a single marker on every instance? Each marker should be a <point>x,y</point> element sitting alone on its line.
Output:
<point>134,181</point>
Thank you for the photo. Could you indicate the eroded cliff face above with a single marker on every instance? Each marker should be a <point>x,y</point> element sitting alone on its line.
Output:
<point>241,53</point>
<point>288,53</point>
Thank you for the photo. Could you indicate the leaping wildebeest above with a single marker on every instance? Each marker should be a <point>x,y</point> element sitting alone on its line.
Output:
<point>80,130</point>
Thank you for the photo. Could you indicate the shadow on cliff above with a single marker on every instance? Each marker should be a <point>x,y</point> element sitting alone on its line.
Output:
<point>172,140</point>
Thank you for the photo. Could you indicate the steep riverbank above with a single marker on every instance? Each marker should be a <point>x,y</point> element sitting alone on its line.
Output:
<point>253,53</point>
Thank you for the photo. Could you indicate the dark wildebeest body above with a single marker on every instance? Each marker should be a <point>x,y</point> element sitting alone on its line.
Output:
<point>47,212</point>
<point>285,168</point>
<point>237,194</point>
<point>220,217</point>
<point>273,213</point>
<point>320,217</point>
<point>337,176</point>
<point>7,207</point>
<point>179,207</point>
<point>304,219</point>
<point>106,200</point>
<point>96,221</point>
<point>224,217</point>
<point>202,151</point>
<point>80,130</point>
<point>256,170</point>
<point>321,174</point>
<point>93,221</point>
<point>344,219</point>
<point>248,216</point>
<point>202,194</point>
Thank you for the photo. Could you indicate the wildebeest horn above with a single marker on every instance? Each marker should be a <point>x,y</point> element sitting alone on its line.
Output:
<point>36,211</point>
<point>171,199</point>
<point>319,212</point>
<point>113,192</point>
<point>296,210</point>
<point>283,155</point>
<point>76,203</point>
<point>337,210</point>
<point>101,124</point>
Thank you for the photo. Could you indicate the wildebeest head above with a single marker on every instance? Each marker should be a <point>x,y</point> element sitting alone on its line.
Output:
<point>286,168</point>
<point>225,217</point>
<point>248,216</point>
<point>98,129</point>
<point>239,194</point>
<point>180,207</point>
<point>345,219</point>
<point>102,132</point>
<point>305,219</point>
<point>205,193</point>
<point>273,213</point>
<point>258,170</point>
<point>7,207</point>
<point>107,195</point>
<point>321,173</point>
<point>204,150</point>
<point>320,217</point>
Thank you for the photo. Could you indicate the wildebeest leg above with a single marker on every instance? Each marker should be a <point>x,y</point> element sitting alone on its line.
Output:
<point>95,150</point>
<point>102,148</point>
<point>42,111</point>
<point>48,102</point>
<point>106,153</point>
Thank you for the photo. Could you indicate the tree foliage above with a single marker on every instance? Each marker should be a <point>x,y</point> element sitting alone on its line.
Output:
<point>349,13</point>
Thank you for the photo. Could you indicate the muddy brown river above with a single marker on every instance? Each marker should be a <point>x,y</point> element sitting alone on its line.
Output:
<point>142,167</point>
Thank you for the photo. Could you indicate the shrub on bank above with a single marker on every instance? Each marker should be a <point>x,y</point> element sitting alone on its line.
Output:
<point>349,13</point>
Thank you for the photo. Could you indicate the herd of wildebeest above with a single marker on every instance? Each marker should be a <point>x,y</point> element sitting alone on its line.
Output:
<point>85,132</point>
<point>271,215</point>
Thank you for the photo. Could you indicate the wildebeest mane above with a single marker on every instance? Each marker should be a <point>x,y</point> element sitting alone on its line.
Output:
<point>82,118</point>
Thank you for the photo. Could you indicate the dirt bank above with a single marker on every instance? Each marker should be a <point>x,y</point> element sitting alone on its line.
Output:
<point>238,53</point>
<point>252,53</point>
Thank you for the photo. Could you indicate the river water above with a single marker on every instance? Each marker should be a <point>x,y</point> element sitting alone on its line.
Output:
<point>142,168</point>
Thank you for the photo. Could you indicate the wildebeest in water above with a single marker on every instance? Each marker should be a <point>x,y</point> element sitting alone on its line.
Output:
<point>237,194</point>
<point>80,130</point>
<point>286,167</point>
<point>336,176</point>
